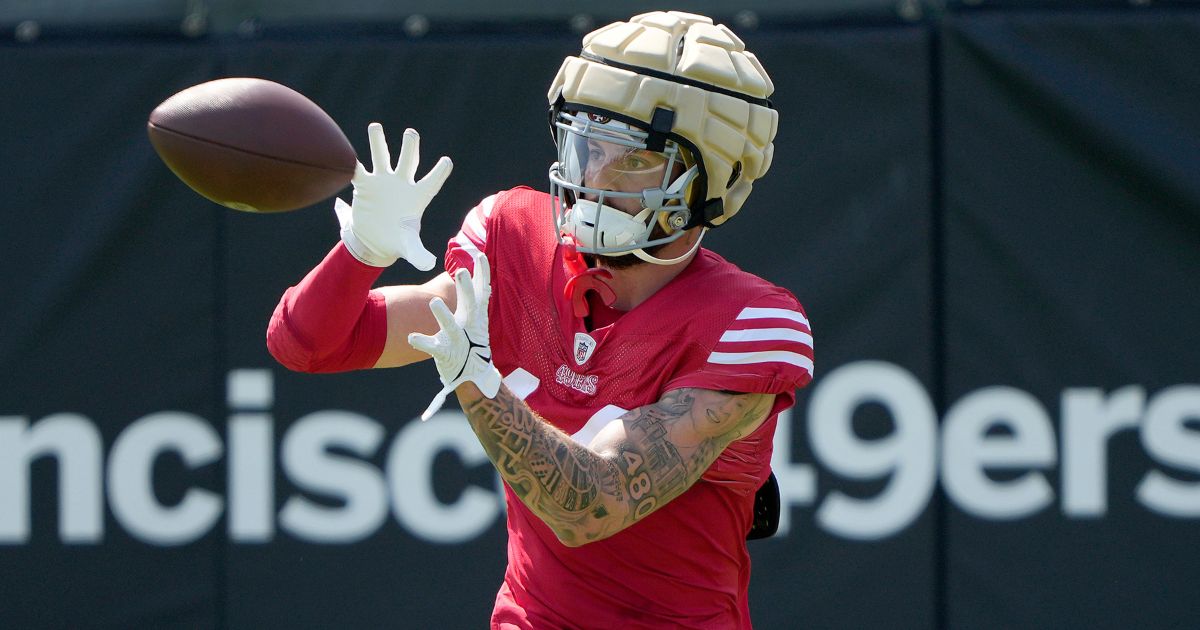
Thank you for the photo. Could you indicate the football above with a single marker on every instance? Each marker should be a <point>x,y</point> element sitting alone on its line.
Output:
<point>252,145</point>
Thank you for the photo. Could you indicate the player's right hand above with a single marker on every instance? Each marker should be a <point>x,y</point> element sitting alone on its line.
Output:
<point>384,221</point>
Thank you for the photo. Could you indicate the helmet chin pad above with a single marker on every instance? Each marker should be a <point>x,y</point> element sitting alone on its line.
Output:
<point>600,228</point>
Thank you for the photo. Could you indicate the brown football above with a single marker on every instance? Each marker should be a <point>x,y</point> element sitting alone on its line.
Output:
<point>252,145</point>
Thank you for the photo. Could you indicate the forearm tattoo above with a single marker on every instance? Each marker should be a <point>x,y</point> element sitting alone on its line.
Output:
<point>584,495</point>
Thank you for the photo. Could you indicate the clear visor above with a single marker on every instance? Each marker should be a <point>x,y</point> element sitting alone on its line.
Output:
<point>609,163</point>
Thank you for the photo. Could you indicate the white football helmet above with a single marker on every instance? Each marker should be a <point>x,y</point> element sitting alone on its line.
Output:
<point>661,122</point>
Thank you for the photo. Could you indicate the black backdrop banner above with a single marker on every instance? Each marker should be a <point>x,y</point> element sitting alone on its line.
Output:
<point>1072,226</point>
<point>992,218</point>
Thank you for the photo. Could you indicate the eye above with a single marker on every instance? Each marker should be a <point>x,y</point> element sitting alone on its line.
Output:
<point>634,163</point>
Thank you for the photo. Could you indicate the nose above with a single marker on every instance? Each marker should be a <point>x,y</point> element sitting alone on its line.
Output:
<point>604,179</point>
<point>601,177</point>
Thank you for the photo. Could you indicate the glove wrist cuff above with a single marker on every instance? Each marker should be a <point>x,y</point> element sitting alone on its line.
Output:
<point>488,381</point>
<point>362,251</point>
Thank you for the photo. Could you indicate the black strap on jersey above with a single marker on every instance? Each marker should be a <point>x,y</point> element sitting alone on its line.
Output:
<point>766,510</point>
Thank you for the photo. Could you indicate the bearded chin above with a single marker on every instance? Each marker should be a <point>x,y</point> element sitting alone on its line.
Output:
<point>613,262</point>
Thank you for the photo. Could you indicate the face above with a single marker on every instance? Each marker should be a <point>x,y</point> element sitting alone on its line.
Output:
<point>624,169</point>
<point>598,156</point>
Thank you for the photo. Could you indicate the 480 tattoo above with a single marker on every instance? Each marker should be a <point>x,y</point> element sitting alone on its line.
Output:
<point>639,484</point>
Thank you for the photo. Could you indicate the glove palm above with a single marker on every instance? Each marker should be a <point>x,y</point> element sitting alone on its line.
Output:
<point>462,348</point>
<point>384,221</point>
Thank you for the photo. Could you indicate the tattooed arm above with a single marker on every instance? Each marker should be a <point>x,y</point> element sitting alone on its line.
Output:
<point>637,463</point>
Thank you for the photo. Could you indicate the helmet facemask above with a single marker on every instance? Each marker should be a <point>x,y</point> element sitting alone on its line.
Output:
<point>610,192</point>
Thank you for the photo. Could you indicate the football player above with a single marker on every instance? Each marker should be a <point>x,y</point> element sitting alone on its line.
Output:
<point>624,380</point>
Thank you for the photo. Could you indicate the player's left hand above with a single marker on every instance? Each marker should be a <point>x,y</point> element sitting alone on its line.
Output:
<point>462,349</point>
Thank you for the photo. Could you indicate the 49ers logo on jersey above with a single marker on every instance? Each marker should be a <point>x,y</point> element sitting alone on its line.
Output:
<point>584,346</point>
<point>577,382</point>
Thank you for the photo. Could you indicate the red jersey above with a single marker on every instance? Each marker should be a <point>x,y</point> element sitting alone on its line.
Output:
<point>714,327</point>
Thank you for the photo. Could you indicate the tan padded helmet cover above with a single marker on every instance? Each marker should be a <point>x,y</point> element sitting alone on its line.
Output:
<point>727,130</point>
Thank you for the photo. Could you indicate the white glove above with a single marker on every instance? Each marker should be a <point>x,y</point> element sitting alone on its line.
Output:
<point>462,349</point>
<point>384,222</point>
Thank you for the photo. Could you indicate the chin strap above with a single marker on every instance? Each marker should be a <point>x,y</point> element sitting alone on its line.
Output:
<point>581,279</point>
<point>641,253</point>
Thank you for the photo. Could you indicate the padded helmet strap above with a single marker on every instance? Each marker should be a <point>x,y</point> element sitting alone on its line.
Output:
<point>660,125</point>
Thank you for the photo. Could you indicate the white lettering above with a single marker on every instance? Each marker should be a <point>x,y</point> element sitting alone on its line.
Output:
<point>578,382</point>
<point>1088,421</point>
<point>908,454</point>
<point>73,441</point>
<point>251,478</point>
<point>131,480</point>
<point>308,462</point>
<point>1166,437</point>
<point>410,474</point>
<point>967,451</point>
<point>997,445</point>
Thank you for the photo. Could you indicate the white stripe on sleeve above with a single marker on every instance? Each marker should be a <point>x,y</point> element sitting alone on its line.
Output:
<point>768,334</point>
<point>766,356</point>
<point>466,244</point>
<point>751,312</point>
<point>476,225</point>
<point>486,205</point>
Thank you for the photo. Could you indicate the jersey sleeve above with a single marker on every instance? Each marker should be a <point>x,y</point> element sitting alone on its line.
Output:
<point>471,239</point>
<point>767,348</point>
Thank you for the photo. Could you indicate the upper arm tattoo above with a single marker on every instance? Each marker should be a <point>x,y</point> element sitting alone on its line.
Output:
<point>678,438</point>
<point>586,495</point>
